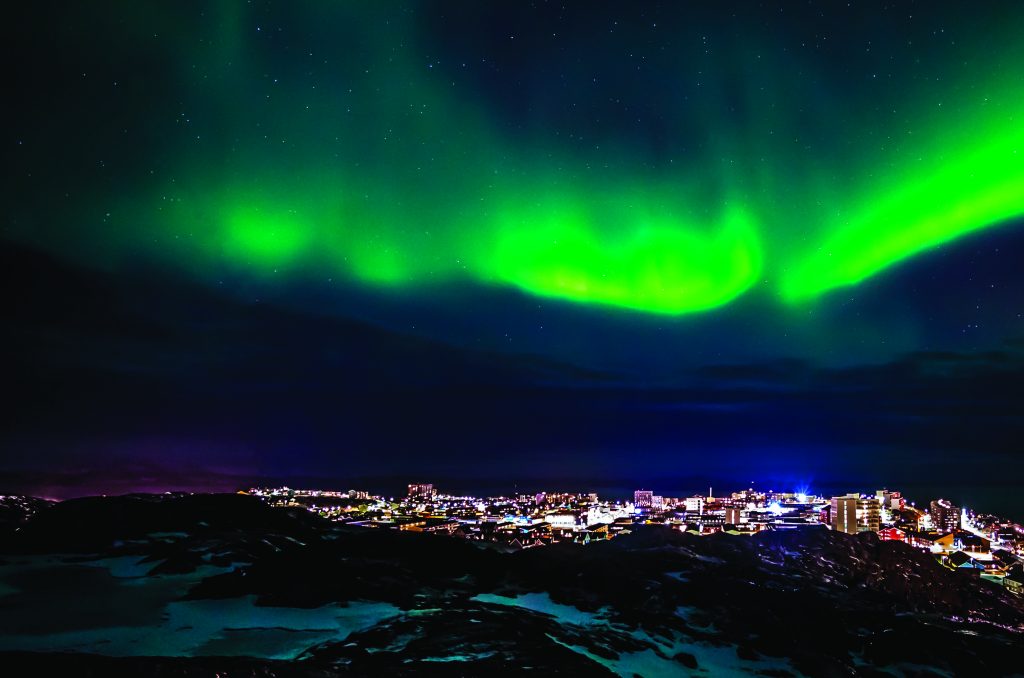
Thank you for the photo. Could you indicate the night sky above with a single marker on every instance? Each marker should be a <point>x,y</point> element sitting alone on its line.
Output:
<point>554,244</point>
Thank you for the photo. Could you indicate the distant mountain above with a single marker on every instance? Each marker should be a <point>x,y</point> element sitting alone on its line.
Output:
<point>201,584</point>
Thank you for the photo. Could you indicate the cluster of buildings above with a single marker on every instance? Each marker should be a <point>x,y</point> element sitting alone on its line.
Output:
<point>978,545</point>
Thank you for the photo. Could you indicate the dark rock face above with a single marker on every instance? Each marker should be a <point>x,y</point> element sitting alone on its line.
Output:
<point>15,511</point>
<point>95,524</point>
<point>658,601</point>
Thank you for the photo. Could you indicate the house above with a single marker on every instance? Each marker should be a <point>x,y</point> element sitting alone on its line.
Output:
<point>892,534</point>
<point>967,541</point>
<point>433,524</point>
<point>908,517</point>
<point>961,562</point>
<point>1014,580</point>
<point>931,541</point>
<point>1004,559</point>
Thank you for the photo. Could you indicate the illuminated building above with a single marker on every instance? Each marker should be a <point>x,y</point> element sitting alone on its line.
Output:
<point>971,543</point>
<point>852,514</point>
<point>945,515</point>
<point>643,499</point>
<point>421,491</point>
<point>706,524</point>
<point>563,519</point>
<point>892,534</point>
<point>891,500</point>
<point>1014,580</point>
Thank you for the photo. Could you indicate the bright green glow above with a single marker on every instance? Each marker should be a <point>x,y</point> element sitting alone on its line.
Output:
<point>628,248</point>
<point>265,237</point>
<point>655,265</point>
<point>355,161</point>
<point>979,187</point>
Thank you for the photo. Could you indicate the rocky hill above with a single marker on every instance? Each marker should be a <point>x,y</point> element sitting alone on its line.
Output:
<point>204,584</point>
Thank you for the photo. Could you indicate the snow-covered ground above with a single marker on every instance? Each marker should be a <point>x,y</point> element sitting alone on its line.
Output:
<point>714,660</point>
<point>131,614</point>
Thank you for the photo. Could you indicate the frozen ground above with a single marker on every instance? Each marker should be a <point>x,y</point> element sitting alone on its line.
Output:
<point>111,607</point>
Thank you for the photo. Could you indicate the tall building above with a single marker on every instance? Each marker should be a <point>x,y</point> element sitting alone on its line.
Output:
<point>869,514</point>
<point>844,514</point>
<point>852,514</point>
<point>421,491</point>
<point>643,499</point>
<point>694,504</point>
<point>733,515</point>
<point>945,516</point>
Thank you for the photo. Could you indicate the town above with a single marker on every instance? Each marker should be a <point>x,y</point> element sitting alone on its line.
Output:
<point>979,545</point>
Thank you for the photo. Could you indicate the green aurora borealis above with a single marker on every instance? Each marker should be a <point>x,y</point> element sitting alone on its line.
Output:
<point>318,238</point>
<point>341,145</point>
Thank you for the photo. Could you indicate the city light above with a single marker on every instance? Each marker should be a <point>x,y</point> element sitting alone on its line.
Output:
<point>954,535</point>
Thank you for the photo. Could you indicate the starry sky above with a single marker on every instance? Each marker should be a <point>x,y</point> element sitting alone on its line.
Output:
<point>770,242</point>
